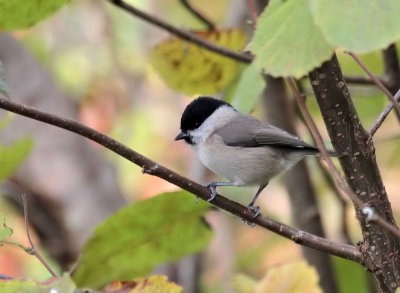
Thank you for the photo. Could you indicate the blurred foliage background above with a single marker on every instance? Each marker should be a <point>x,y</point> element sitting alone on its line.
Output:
<point>99,57</point>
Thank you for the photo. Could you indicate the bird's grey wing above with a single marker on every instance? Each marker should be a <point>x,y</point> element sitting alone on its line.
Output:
<point>250,132</point>
<point>275,137</point>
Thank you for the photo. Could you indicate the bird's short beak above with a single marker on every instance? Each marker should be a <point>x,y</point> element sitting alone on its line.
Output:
<point>181,135</point>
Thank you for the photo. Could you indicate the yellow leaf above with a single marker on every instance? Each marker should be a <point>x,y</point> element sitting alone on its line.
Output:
<point>297,277</point>
<point>243,284</point>
<point>190,69</point>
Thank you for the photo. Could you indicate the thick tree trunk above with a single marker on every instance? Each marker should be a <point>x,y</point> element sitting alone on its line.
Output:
<point>357,158</point>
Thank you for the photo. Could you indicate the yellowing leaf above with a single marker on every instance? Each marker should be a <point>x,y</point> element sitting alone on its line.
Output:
<point>17,14</point>
<point>296,277</point>
<point>190,69</point>
<point>152,284</point>
<point>243,284</point>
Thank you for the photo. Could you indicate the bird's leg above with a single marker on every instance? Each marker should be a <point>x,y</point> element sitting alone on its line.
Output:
<point>251,206</point>
<point>213,187</point>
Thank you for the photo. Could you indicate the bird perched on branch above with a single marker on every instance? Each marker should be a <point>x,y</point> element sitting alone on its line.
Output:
<point>238,146</point>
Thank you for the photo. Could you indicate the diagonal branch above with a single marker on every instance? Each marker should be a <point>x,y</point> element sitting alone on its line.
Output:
<point>322,149</point>
<point>378,122</point>
<point>363,80</point>
<point>393,72</point>
<point>183,34</point>
<point>197,14</point>
<point>339,180</point>
<point>150,167</point>
<point>299,94</point>
<point>253,12</point>
<point>33,248</point>
<point>376,80</point>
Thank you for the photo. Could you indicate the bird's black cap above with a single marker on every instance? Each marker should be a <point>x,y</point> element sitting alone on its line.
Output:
<point>198,111</point>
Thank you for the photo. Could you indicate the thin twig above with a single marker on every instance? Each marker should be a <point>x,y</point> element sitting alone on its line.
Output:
<point>197,14</point>
<point>253,11</point>
<point>327,176</point>
<point>377,81</point>
<point>25,205</point>
<point>28,250</point>
<point>378,122</point>
<point>363,80</point>
<point>150,167</point>
<point>340,198</point>
<point>183,34</point>
<point>318,139</point>
<point>341,183</point>
<point>375,218</point>
<point>33,249</point>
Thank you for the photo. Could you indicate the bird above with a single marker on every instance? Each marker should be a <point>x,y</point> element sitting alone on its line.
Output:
<point>238,146</point>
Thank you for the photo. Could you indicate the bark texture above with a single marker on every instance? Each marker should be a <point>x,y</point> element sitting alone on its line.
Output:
<point>356,153</point>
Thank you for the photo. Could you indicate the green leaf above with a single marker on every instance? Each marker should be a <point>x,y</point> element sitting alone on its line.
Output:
<point>5,231</point>
<point>287,42</point>
<point>4,90</point>
<point>250,86</point>
<point>62,285</point>
<point>369,107</point>
<point>141,236</point>
<point>358,25</point>
<point>351,276</point>
<point>12,156</point>
<point>17,14</point>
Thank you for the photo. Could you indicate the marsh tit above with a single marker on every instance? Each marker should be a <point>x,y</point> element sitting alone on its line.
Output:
<point>238,146</point>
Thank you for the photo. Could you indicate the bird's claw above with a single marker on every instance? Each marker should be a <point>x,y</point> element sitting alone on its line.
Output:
<point>250,224</point>
<point>256,210</point>
<point>213,191</point>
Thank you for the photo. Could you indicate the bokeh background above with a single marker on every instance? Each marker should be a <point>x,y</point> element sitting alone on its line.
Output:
<point>90,61</point>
